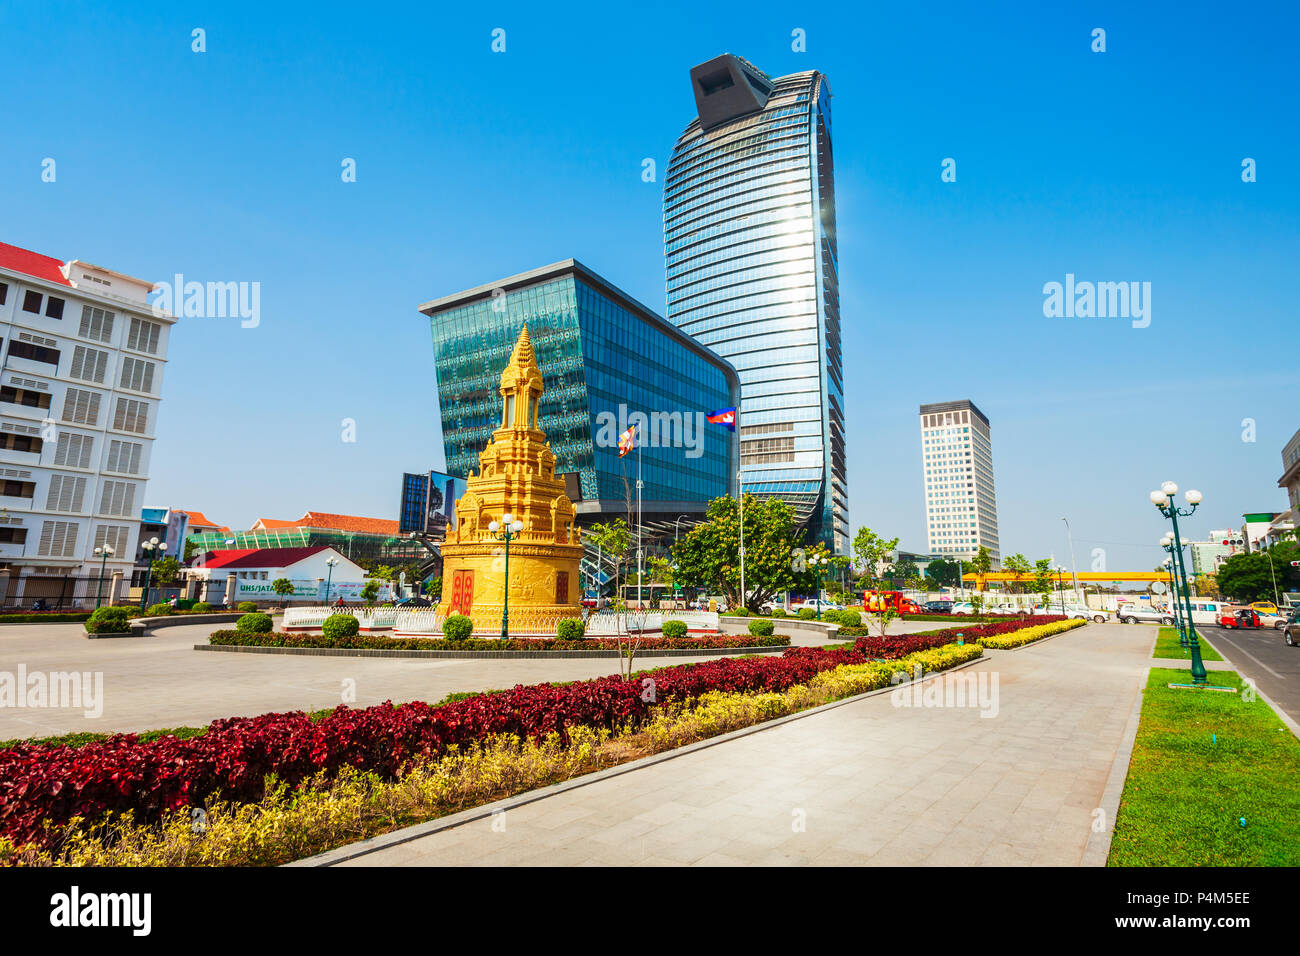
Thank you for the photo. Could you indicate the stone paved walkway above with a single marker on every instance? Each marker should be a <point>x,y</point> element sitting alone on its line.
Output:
<point>872,783</point>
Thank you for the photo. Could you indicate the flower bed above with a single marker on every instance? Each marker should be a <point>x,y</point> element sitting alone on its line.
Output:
<point>379,642</point>
<point>1028,635</point>
<point>44,617</point>
<point>287,823</point>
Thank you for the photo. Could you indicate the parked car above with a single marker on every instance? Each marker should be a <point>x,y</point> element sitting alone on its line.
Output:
<point>1292,629</point>
<point>1271,620</point>
<point>1129,613</point>
<point>798,606</point>
<point>1243,617</point>
<point>962,607</point>
<point>1074,611</point>
<point>1006,607</point>
<point>937,607</point>
<point>1265,607</point>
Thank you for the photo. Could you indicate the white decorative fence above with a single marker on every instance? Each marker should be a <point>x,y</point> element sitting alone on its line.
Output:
<point>524,622</point>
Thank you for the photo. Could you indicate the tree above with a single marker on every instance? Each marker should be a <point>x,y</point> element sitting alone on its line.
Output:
<point>165,572</point>
<point>1017,564</point>
<point>190,548</point>
<point>906,572</point>
<point>981,565</point>
<point>613,538</point>
<point>873,554</point>
<point>1044,577</point>
<point>1249,577</point>
<point>433,589</point>
<point>370,590</point>
<point>942,572</point>
<point>708,556</point>
<point>283,587</point>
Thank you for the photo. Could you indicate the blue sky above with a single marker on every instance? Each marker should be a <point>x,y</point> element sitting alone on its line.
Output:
<point>471,165</point>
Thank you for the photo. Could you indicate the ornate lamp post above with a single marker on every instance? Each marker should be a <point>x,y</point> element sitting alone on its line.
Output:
<point>105,551</point>
<point>1164,502</point>
<point>1167,542</point>
<point>329,579</point>
<point>149,548</point>
<point>506,531</point>
<point>818,564</point>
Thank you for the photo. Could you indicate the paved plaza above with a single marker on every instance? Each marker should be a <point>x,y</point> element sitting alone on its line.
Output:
<point>872,783</point>
<point>161,681</point>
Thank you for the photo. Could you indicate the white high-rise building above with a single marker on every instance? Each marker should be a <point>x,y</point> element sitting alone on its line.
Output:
<point>961,508</point>
<point>80,383</point>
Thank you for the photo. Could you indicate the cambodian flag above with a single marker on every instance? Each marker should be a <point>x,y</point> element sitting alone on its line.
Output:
<point>724,416</point>
<point>627,441</point>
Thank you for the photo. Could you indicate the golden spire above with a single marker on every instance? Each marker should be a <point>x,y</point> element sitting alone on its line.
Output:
<point>521,385</point>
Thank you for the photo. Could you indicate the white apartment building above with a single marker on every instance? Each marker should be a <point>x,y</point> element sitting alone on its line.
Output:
<point>961,509</point>
<point>80,382</point>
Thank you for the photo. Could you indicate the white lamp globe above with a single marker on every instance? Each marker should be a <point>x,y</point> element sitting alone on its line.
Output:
<point>493,527</point>
<point>516,527</point>
<point>1166,562</point>
<point>507,518</point>
<point>1158,497</point>
<point>1193,496</point>
<point>1169,488</point>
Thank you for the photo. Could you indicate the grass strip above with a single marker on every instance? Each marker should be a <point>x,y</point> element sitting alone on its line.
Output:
<point>1167,647</point>
<point>1204,762</point>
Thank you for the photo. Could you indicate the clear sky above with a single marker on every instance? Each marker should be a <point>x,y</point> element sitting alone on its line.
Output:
<point>473,165</point>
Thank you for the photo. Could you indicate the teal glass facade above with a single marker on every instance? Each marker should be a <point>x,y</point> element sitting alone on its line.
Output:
<point>752,272</point>
<point>604,358</point>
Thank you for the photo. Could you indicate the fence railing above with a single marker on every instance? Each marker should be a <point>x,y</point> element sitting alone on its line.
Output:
<point>523,621</point>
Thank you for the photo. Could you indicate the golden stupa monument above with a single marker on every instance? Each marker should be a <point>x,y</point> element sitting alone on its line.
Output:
<point>514,522</point>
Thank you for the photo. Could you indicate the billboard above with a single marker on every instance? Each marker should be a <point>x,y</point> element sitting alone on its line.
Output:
<point>308,589</point>
<point>440,503</point>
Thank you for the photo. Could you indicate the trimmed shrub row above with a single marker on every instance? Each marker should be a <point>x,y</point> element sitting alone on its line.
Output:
<point>381,642</point>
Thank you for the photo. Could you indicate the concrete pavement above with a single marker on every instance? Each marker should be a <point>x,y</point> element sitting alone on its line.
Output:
<point>867,782</point>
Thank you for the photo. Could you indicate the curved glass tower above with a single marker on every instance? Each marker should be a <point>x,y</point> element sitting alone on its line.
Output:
<point>749,242</point>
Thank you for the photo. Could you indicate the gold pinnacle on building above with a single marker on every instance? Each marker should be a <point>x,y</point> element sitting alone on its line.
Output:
<point>516,478</point>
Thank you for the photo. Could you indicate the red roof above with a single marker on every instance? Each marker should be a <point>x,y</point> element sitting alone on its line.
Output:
<point>331,522</point>
<point>32,263</point>
<point>199,519</point>
<point>259,557</point>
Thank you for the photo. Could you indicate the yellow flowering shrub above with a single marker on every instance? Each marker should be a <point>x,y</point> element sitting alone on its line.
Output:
<point>1028,635</point>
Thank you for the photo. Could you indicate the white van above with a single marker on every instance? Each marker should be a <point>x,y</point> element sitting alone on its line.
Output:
<point>1207,612</point>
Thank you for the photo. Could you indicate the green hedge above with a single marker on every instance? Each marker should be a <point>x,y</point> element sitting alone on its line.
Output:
<point>246,607</point>
<point>761,628</point>
<point>44,617</point>
<point>570,629</point>
<point>457,628</point>
<point>109,620</point>
<point>381,642</point>
<point>255,623</point>
<point>673,629</point>
<point>336,626</point>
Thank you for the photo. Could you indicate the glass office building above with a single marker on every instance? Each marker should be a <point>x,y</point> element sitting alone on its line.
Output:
<point>749,241</point>
<point>607,362</point>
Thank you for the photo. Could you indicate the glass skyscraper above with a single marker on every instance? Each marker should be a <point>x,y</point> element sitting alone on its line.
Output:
<point>749,241</point>
<point>607,361</point>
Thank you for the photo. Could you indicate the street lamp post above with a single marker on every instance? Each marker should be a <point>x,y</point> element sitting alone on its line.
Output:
<point>105,551</point>
<point>1060,586</point>
<point>1173,592</point>
<point>1164,502</point>
<point>329,580</point>
<point>818,563</point>
<point>1074,568</point>
<point>506,531</point>
<point>149,547</point>
<point>1167,542</point>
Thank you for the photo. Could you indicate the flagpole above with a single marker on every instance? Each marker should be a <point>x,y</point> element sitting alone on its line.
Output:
<point>740,488</point>
<point>638,522</point>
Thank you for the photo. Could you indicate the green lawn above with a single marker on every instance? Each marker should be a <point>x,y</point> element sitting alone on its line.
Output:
<point>1167,646</point>
<point>1186,794</point>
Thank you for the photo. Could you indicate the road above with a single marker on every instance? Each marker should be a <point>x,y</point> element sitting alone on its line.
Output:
<point>1263,656</point>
